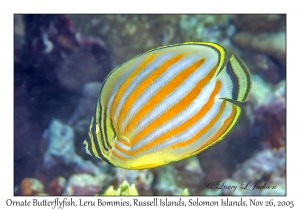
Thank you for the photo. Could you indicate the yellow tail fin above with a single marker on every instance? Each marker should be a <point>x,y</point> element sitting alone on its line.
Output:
<point>236,80</point>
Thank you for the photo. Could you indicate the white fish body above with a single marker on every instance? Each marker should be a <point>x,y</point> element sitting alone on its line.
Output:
<point>167,104</point>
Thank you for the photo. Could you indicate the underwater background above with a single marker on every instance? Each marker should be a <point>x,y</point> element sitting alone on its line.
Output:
<point>60,62</point>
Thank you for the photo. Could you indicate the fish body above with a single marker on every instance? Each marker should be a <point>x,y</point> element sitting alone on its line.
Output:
<point>167,104</point>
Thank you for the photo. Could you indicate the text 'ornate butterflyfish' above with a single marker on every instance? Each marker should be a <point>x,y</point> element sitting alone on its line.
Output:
<point>167,104</point>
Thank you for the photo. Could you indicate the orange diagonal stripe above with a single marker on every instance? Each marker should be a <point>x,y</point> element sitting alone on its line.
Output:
<point>123,88</point>
<point>183,127</point>
<point>123,150</point>
<point>202,131</point>
<point>222,130</point>
<point>162,93</point>
<point>123,141</point>
<point>181,105</point>
<point>117,155</point>
<point>145,84</point>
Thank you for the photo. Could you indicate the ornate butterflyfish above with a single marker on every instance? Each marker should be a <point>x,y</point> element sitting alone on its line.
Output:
<point>167,104</point>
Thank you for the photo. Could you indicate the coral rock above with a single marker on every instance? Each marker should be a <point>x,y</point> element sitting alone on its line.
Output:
<point>82,115</point>
<point>266,108</point>
<point>31,186</point>
<point>258,23</point>
<point>78,69</point>
<point>173,178</point>
<point>61,149</point>
<point>270,43</point>
<point>57,186</point>
<point>141,178</point>
<point>60,144</point>
<point>84,184</point>
<point>262,174</point>
<point>263,164</point>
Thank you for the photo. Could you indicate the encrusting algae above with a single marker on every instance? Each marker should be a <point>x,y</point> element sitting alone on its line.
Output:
<point>185,192</point>
<point>124,189</point>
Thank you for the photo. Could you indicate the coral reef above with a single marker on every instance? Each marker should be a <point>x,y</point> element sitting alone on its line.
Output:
<point>173,178</point>
<point>47,84</point>
<point>126,189</point>
<point>266,108</point>
<point>267,35</point>
<point>55,38</point>
<point>262,165</point>
<point>143,179</point>
<point>262,174</point>
<point>267,67</point>
<point>129,35</point>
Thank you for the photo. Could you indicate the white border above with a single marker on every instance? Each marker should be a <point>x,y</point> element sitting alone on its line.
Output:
<point>154,6</point>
